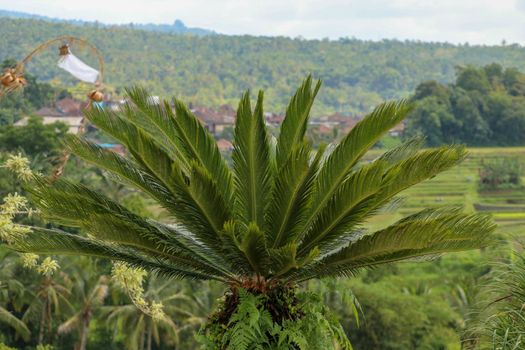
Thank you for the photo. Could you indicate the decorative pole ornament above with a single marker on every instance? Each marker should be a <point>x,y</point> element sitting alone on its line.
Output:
<point>63,50</point>
<point>13,78</point>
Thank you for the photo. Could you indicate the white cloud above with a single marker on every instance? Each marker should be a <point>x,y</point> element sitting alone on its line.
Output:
<point>475,21</point>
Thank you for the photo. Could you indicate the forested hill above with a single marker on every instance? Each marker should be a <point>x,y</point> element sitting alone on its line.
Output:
<point>214,70</point>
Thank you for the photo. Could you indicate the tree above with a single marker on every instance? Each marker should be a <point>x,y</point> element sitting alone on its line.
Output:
<point>483,108</point>
<point>50,298</point>
<point>91,291</point>
<point>33,97</point>
<point>11,288</point>
<point>472,79</point>
<point>432,117</point>
<point>281,215</point>
<point>35,138</point>
<point>140,329</point>
<point>12,321</point>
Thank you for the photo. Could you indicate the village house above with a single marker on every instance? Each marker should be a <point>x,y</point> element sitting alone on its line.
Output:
<point>215,121</point>
<point>67,111</point>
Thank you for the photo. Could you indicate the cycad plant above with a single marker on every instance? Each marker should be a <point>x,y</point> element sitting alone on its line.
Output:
<point>282,213</point>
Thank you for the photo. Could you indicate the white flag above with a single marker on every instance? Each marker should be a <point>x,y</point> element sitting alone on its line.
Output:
<point>77,68</point>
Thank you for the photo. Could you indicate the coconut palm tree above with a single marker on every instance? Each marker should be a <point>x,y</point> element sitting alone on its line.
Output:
<point>90,290</point>
<point>141,329</point>
<point>50,298</point>
<point>281,214</point>
<point>11,290</point>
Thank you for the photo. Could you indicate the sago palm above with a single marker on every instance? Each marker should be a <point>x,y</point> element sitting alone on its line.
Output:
<point>282,213</point>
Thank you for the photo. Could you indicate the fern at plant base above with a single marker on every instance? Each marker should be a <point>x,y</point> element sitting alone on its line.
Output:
<point>279,319</point>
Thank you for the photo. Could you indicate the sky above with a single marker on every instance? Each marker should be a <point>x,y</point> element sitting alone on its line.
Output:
<point>454,21</point>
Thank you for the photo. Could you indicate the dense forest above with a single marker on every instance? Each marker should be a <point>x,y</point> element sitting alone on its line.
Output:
<point>213,70</point>
<point>484,107</point>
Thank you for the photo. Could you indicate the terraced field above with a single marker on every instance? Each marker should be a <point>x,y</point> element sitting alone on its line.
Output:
<point>459,186</point>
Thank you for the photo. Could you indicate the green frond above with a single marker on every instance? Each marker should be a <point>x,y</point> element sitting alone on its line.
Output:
<point>429,232</point>
<point>285,259</point>
<point>19,326</point>
<point>294,125</point>
<point>287,192</point>
<point>46,241</point>
<point>232,235</point>
<point>347,208</point>
<point>251,159</point>
<point>156,119</point>
<point>403,151</point>
<point>203,190</point>
<point>124,170</point>
<point>253,245</point>
<point>342,159</point>
<point>113,124</point>
<point>198,145</point>
<point>77,206</point>
<point>155,161</point>
<point>296,227</point>
<point>144,148</point>
<point>418,167</point>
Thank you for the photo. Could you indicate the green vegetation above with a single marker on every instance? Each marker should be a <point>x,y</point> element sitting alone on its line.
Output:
<point>485,107</point>
<point>212,70</point>
<point>501,174</point>
<point>35,96</point>
<point>281,215</point>
<point>497,321</point>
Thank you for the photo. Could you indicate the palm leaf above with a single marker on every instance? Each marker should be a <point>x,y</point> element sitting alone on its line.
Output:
<point>253,246</point>
<point>251,159</point>
<point>46,241</point>
<point>296,118</point>
<point>340,162</point>
<point>429,232</point>
<point>289,187</point>
<point>19,326</point>
<point>346,209</point>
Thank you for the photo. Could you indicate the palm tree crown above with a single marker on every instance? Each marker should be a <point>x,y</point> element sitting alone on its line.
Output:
<point>283,212</point>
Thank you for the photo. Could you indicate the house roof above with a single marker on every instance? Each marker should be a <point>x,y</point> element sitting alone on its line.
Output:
<point>48,112</point>
<point>224,145</point>
<point>69,106</point>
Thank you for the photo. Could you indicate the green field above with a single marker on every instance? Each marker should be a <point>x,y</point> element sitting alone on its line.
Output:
<point>459,186</point>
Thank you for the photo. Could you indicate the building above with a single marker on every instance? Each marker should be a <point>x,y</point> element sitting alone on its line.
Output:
<point>224,145</point>
<point>215,121</point>
<point>67,111</point>
<point>73,123</point>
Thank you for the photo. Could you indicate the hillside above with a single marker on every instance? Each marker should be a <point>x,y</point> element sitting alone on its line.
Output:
<point>213,70</point>
<point>177,27</point>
